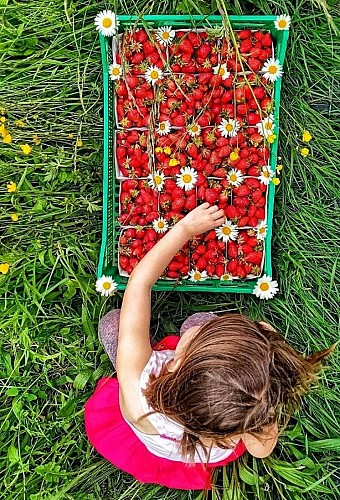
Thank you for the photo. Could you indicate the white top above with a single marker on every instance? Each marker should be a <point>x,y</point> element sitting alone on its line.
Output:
<point>166,444</point>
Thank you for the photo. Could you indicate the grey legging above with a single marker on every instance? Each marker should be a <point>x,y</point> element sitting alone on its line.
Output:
<point>108,329</point>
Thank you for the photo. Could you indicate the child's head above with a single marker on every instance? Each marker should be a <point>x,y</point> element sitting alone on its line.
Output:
<point>236,376</point>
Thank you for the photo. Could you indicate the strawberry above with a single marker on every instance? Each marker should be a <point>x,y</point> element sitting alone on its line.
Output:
<point>242,191</point>
<point>220,172</point>
<point>178,204</point>
<point>243,34</point>
<point>185,46</point>
<point>254,64</point>
<point>219,270</point>
<point>243,221</point>
<point>232,212</point>
<point>201,264</point>
<point>211,196</point>
<point>232,249</point>
<point>254,257</point>
<point>192,150</point>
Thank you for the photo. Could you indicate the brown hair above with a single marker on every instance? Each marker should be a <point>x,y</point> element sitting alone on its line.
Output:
<point>237,376</point>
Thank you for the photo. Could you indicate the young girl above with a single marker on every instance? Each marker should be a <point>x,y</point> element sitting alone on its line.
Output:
<point>198,400</point>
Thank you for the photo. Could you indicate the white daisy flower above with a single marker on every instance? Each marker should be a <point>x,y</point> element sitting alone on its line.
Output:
<point>266,126</point>
<point>227,231</point>
<point>222,71</point>
<point>194,129</point>
<point>106,23</point>
<point>160,225</point>
<point>153,74</point>
<point>163,127</point>
<point>226,277</point>
<point>106,286</point>
<point>196,275</point>
<point>156,180</point>
<point>235,177</point>
<point>115,71</point>
<point>272,69</point>
<point>165,35</point>
<point>282,22</point>
<point>187,178</point>
<point>261,231</point>
<point>266,175</point>
<point>265,287</point>
<point>229,128</point>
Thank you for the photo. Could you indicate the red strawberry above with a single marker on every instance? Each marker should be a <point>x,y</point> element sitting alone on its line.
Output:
<point>231,212</point>
<point>211,196</point>
<point>254,257</point>
<point>178,204</point>
<point>201,264</point>
<point>185,46</point>
<point>243,221</point>
<point>242,190</point>
<point>232,249</point>
<point>192,150</point>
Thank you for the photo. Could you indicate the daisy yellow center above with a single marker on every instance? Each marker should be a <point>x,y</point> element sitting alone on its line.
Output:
<point>197,276</point>
<point>115,71</point>
<point>187,178</point>
<point>221,71</point>
<point>160,224</point>
<point>268,125</point>
<point>106,285</point>
<point>229,127</point>
<point>107,22</point>
<point>158,180</point>
<point>154,74</point>
<point>233,177</point>
<point>264,287</point>
<point>262,230</point>
<point>272,69</point>
<point>194,128</point>
<point>282,23</point>
<point>165,35</point>
<point>266,173</point>
<point>162,126</point>
<point>226,231</point>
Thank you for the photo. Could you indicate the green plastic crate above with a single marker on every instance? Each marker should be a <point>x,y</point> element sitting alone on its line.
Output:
<point>108,258</point>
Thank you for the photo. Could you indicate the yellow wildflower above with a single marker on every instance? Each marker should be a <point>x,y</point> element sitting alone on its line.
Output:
<point>304,152</point>
<point>167,150</point>
<point>20,123</point>
<point>3,119</point>
<point>173,162</point>
<point>279,168</point>
<point>4,268</point>
<point>7,139</point>
<point>3,130</point>
<point>11,187</point>
<point>159,150</point>
<point>271,138</point>
<point>306,136</point>
<point>79,143</point>
<point>25,148</point>
<point>70,136</point>
<point>234,156</point>
<point>15,217</point>
<point>36,139</point>
<point>276,181</point>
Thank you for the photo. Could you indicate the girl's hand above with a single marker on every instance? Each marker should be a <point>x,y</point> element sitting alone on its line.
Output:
<point>202,219</point>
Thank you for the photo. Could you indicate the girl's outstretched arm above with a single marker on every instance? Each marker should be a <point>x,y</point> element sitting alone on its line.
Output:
<point>134,348</point>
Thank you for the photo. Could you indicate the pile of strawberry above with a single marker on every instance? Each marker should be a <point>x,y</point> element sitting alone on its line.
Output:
<point>176,122</point>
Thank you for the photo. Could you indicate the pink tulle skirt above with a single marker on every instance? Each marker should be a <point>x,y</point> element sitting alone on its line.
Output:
<point>112,437</point>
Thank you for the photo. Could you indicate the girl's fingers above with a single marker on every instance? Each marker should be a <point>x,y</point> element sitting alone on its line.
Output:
<point>219,214</point>
<point>212,209</point>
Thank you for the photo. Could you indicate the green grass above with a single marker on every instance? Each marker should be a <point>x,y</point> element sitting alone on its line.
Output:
<point>50,357</point>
